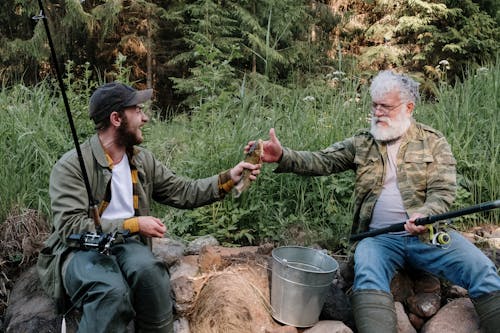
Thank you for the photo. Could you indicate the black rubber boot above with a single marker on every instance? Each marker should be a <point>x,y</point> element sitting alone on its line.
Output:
<point>374,311</point>
<point>488,309</point>
<point>163,327</point>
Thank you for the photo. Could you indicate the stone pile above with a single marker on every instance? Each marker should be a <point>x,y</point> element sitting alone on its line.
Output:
<point>240,280</point>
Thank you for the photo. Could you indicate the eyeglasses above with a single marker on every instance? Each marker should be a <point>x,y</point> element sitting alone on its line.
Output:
<point>139,108</point>
<point>384,107</point>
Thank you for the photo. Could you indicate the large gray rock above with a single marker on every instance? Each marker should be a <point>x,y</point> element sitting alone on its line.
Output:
<point>458,316</point>
<point>168,250</point>
<point>31,310</point>
<point>329,326</point>
<point>404,324</point>
<point>195,246</point>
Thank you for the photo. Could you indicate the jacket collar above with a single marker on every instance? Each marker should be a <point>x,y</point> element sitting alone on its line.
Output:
<point>98,151</point>
<point>413,132</point>
<point>100,154</point>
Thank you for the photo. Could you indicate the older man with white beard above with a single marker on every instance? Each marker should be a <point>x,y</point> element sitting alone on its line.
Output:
<point>404,170</point>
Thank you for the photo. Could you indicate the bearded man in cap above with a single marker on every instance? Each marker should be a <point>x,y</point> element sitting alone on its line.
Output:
<point>130,283</point>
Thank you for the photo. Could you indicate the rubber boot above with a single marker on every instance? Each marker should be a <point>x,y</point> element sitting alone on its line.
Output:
<point>374,311</point>
<point>166,327</point>
<point>488,309</point>
<point>163,326</point>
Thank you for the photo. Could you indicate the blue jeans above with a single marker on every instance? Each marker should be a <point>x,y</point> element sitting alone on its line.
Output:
<point>377,258</point>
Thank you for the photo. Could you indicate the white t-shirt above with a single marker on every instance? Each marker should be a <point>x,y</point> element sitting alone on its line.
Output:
<point>121,205</point>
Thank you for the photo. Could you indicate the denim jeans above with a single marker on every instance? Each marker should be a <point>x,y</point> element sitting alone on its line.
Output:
<point>377,258</point>
<point>112,290</point>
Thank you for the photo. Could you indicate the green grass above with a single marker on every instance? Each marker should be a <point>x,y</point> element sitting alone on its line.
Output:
<point>283,208</point>
<point>469,116</point>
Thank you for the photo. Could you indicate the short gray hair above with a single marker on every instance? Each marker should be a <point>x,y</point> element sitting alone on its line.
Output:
<point>386,81</point>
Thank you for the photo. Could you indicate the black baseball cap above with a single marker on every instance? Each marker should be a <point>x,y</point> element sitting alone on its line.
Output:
<point>115,96</point>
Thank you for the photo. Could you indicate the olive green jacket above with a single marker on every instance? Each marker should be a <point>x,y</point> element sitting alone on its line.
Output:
<point>70,204</point>
<point>425,170</point>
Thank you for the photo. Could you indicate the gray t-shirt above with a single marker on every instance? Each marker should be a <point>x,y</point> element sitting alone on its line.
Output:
<point>389,207</point>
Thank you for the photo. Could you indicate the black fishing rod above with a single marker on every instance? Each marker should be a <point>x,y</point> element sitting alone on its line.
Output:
<point>429,219</point>
<point>92,202</point>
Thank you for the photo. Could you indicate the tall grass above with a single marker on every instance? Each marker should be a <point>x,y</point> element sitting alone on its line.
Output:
<point>284,208</point>
<point>468,114</point>
<point>35,133</point>
<point>289,208</point>
<point>30,132</point>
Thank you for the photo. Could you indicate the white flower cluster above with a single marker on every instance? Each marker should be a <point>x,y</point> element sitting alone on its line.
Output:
<point>443,65</point>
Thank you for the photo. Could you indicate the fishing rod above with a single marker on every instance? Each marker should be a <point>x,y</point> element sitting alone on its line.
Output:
<point>430,219</point>
<point>92,202</point>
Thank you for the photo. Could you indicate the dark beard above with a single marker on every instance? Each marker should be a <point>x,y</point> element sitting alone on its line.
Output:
<point>125,137</point>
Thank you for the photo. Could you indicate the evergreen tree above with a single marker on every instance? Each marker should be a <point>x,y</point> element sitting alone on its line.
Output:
<point>228,39</point>
<point>209,33</point>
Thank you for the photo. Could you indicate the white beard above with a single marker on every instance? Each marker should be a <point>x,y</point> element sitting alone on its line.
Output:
<point>393,129</point>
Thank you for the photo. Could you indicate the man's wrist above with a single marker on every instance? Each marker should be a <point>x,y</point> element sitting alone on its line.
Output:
<point>131,224</point>
<point>225,183</point>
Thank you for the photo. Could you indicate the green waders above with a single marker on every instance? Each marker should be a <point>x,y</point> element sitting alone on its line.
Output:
<point>374,311</point>
<point>488,309</point>
<point>130,284</point>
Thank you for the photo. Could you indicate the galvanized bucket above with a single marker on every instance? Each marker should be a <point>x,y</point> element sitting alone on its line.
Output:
<point>300,279</point>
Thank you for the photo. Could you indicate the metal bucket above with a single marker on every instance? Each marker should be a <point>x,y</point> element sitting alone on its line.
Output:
<point>300,278</point>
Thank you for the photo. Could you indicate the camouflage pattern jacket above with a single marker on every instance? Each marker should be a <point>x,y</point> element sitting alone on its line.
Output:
<point>70,204</point>
<point>425,170</point>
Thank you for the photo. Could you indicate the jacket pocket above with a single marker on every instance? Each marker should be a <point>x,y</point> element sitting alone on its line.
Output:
<point>416,169</point>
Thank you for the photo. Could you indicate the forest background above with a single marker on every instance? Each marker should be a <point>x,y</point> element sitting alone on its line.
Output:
<point>224,72</point>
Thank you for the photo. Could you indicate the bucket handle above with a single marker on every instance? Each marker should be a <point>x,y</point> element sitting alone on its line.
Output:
<point>284,262</point>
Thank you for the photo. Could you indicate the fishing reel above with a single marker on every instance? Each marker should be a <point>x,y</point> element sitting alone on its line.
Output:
<point>438,235</point>
<point>100,242</point>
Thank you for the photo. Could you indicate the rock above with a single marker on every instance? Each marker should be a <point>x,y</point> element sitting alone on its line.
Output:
<point>404,324</point>
<point>493,254</point>
<point>402,286</point>
<point>346,270</point>
<point>185,292</point>
<point>416,321</point>
<point>194,247</point>
<point>283,329</point>
<point>185,286</point>
<point>426,283</point>
<point>169,250</point>
<point>329,326</point>
<point>496,233</point>
<point>209,259</point>
<point>30,309</point>
<point>424,304</point>
<point>181,325</point>
<point>265,249</point>
<point>494,243</point>
<point>454,291</point>
<point>458,316</point>
<point>337,306</point>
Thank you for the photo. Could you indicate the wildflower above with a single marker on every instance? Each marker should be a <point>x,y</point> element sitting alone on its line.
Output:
<point>309,99</point>
<point>443,65</point>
